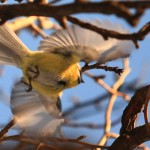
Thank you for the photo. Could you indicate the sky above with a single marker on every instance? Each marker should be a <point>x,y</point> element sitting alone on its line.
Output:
<point>139,63</point>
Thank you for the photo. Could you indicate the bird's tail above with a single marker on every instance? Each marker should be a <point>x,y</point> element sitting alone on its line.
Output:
<point>12,50</point>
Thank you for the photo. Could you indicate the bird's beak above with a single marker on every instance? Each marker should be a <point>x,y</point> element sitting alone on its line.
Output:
<point>80,79</point>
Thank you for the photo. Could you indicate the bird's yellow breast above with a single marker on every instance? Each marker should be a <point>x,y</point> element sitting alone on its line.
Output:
<point>53,69</point>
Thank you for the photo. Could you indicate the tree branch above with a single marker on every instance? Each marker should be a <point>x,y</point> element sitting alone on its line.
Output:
<point>135,37</point>
<point>32,9</point>
<point>89,125</point>
<point>30,140</point>
<point>134,107</point>
<point>136,137</point>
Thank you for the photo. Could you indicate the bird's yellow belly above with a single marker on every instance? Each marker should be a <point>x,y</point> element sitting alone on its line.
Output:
<point>50,73</point>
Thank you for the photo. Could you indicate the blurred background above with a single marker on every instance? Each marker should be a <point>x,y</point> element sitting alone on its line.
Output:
<point>84,106</point>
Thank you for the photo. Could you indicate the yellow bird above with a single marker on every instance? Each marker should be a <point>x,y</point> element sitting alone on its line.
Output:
<point>54,67</point>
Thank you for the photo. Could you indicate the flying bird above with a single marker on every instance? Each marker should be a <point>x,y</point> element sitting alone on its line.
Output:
<point>54,67</point>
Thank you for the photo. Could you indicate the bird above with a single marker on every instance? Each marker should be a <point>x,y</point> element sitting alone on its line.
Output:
<point>54,67</point>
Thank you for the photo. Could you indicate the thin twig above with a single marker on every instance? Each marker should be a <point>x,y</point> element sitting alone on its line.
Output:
<point>108,113</point>
<point>135,37</point>
<point>107,87</point>
<point>21,23</point>
<point>146,110</point>
<point>41,146</point>
<point>62,140</point>
<point>89,125</point>
<point>38,30</point>
<point>82,143</point>
<point>99,66</point>
<point>5,130</point>
<point>112,135</point>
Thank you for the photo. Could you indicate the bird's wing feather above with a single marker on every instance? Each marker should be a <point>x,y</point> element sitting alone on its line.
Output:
<point>35,113</point>
<point>87,44</point>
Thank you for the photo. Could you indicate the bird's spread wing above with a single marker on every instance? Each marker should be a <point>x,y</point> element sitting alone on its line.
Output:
<point>35,113</point>
<point>87,44</point>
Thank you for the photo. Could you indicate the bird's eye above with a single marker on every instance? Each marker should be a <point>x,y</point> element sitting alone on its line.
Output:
<point>62,82</point>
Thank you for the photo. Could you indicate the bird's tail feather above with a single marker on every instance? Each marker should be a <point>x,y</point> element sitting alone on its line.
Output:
<point>12,50</point>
